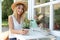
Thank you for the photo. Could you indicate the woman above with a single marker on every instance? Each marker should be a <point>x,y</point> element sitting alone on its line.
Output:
<point>16,19</point>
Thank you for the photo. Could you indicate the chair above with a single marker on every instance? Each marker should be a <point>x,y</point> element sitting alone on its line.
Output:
<point>4,35</point>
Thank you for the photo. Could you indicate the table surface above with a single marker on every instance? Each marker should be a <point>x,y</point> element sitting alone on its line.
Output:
<point>33,35</point>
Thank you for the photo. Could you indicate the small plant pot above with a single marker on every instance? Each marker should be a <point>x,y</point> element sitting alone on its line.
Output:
<point>26,28</point>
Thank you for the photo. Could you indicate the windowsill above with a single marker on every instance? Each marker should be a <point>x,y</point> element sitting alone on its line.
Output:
<point>56,33</point>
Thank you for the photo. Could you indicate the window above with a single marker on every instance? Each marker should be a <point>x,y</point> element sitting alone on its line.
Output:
<point>57,16</point>
<point>36,6</point>
<point>37,2</point>
<point>42,14</point>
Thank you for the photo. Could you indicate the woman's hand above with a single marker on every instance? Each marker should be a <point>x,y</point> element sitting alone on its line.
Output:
<point>23,31</point>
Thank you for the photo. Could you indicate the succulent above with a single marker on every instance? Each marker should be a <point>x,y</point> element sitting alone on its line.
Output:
<point>26,24</point>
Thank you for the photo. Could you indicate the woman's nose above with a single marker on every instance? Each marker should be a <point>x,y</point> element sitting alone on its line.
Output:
<point>20,10</point>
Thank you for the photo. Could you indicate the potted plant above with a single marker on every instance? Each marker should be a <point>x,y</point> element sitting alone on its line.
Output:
<point>26,24</point>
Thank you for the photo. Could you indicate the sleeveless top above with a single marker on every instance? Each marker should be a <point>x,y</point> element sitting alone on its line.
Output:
<point>17,26</point>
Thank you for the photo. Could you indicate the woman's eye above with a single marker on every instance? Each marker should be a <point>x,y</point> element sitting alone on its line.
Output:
<point>18,7</point>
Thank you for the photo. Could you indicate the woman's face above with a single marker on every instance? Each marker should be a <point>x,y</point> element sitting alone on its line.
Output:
<point>20,9</point>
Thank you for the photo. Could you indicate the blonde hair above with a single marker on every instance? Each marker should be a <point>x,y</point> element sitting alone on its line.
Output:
<point>22,16</point>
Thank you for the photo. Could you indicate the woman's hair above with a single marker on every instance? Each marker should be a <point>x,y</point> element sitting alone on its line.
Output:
<point>22,15</point>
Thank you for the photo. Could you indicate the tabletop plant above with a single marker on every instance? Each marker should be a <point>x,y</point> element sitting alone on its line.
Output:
<point>26,24</point>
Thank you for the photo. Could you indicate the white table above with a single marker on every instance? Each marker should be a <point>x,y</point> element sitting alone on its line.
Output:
<point>33,35</point>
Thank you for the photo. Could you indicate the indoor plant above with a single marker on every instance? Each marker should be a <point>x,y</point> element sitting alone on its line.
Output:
<point>26,24</point>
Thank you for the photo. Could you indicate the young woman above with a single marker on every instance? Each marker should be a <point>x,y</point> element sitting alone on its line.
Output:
<point>16,19</point>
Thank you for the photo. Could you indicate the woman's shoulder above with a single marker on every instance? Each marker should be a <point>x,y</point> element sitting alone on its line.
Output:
<point>10,16</point>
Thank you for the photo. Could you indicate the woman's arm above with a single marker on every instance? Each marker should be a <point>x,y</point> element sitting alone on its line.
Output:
<point>11,27</point>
